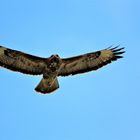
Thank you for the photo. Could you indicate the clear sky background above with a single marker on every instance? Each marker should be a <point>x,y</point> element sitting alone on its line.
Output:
<point>100,105</point>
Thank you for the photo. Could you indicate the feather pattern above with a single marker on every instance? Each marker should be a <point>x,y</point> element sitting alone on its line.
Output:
<point>21,62</point>
<point>90,61</point>
<point>55,66</point>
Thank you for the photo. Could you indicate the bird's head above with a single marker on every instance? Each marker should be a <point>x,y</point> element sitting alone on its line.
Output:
<point>55,58</point>
<point>55,62</point>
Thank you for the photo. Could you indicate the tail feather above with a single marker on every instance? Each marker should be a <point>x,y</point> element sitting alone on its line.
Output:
<point>45,86</point>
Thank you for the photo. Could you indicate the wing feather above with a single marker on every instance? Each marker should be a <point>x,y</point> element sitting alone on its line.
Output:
<point>90,61</point>
<point>21,62</point>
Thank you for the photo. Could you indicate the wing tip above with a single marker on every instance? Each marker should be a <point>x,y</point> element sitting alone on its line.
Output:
<point>117,52</point>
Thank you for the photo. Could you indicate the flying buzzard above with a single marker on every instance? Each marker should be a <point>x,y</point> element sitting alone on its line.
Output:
<point>55,66</point>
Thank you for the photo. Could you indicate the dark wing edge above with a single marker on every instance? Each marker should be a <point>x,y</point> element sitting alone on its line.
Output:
<point>21,62</point>
<point>90,61</point>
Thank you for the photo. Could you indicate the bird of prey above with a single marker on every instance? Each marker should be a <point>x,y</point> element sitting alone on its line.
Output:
<point>54,66</point>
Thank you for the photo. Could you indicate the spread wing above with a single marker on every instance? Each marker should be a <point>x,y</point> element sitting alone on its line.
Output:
<point>21,62</point>
<point>90,61</point>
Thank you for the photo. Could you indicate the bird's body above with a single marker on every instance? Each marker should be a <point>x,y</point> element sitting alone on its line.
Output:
<point>55,66</point>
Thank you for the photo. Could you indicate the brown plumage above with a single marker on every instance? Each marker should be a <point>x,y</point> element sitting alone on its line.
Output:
<point>54,66</point>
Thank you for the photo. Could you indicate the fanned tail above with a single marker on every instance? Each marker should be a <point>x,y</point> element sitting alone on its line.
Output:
<point>47,86</point>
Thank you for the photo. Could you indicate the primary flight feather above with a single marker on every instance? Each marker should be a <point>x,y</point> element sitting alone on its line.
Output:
<point>55,66</point>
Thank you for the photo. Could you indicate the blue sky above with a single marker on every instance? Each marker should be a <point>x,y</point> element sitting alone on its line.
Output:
<point>101,105</point>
